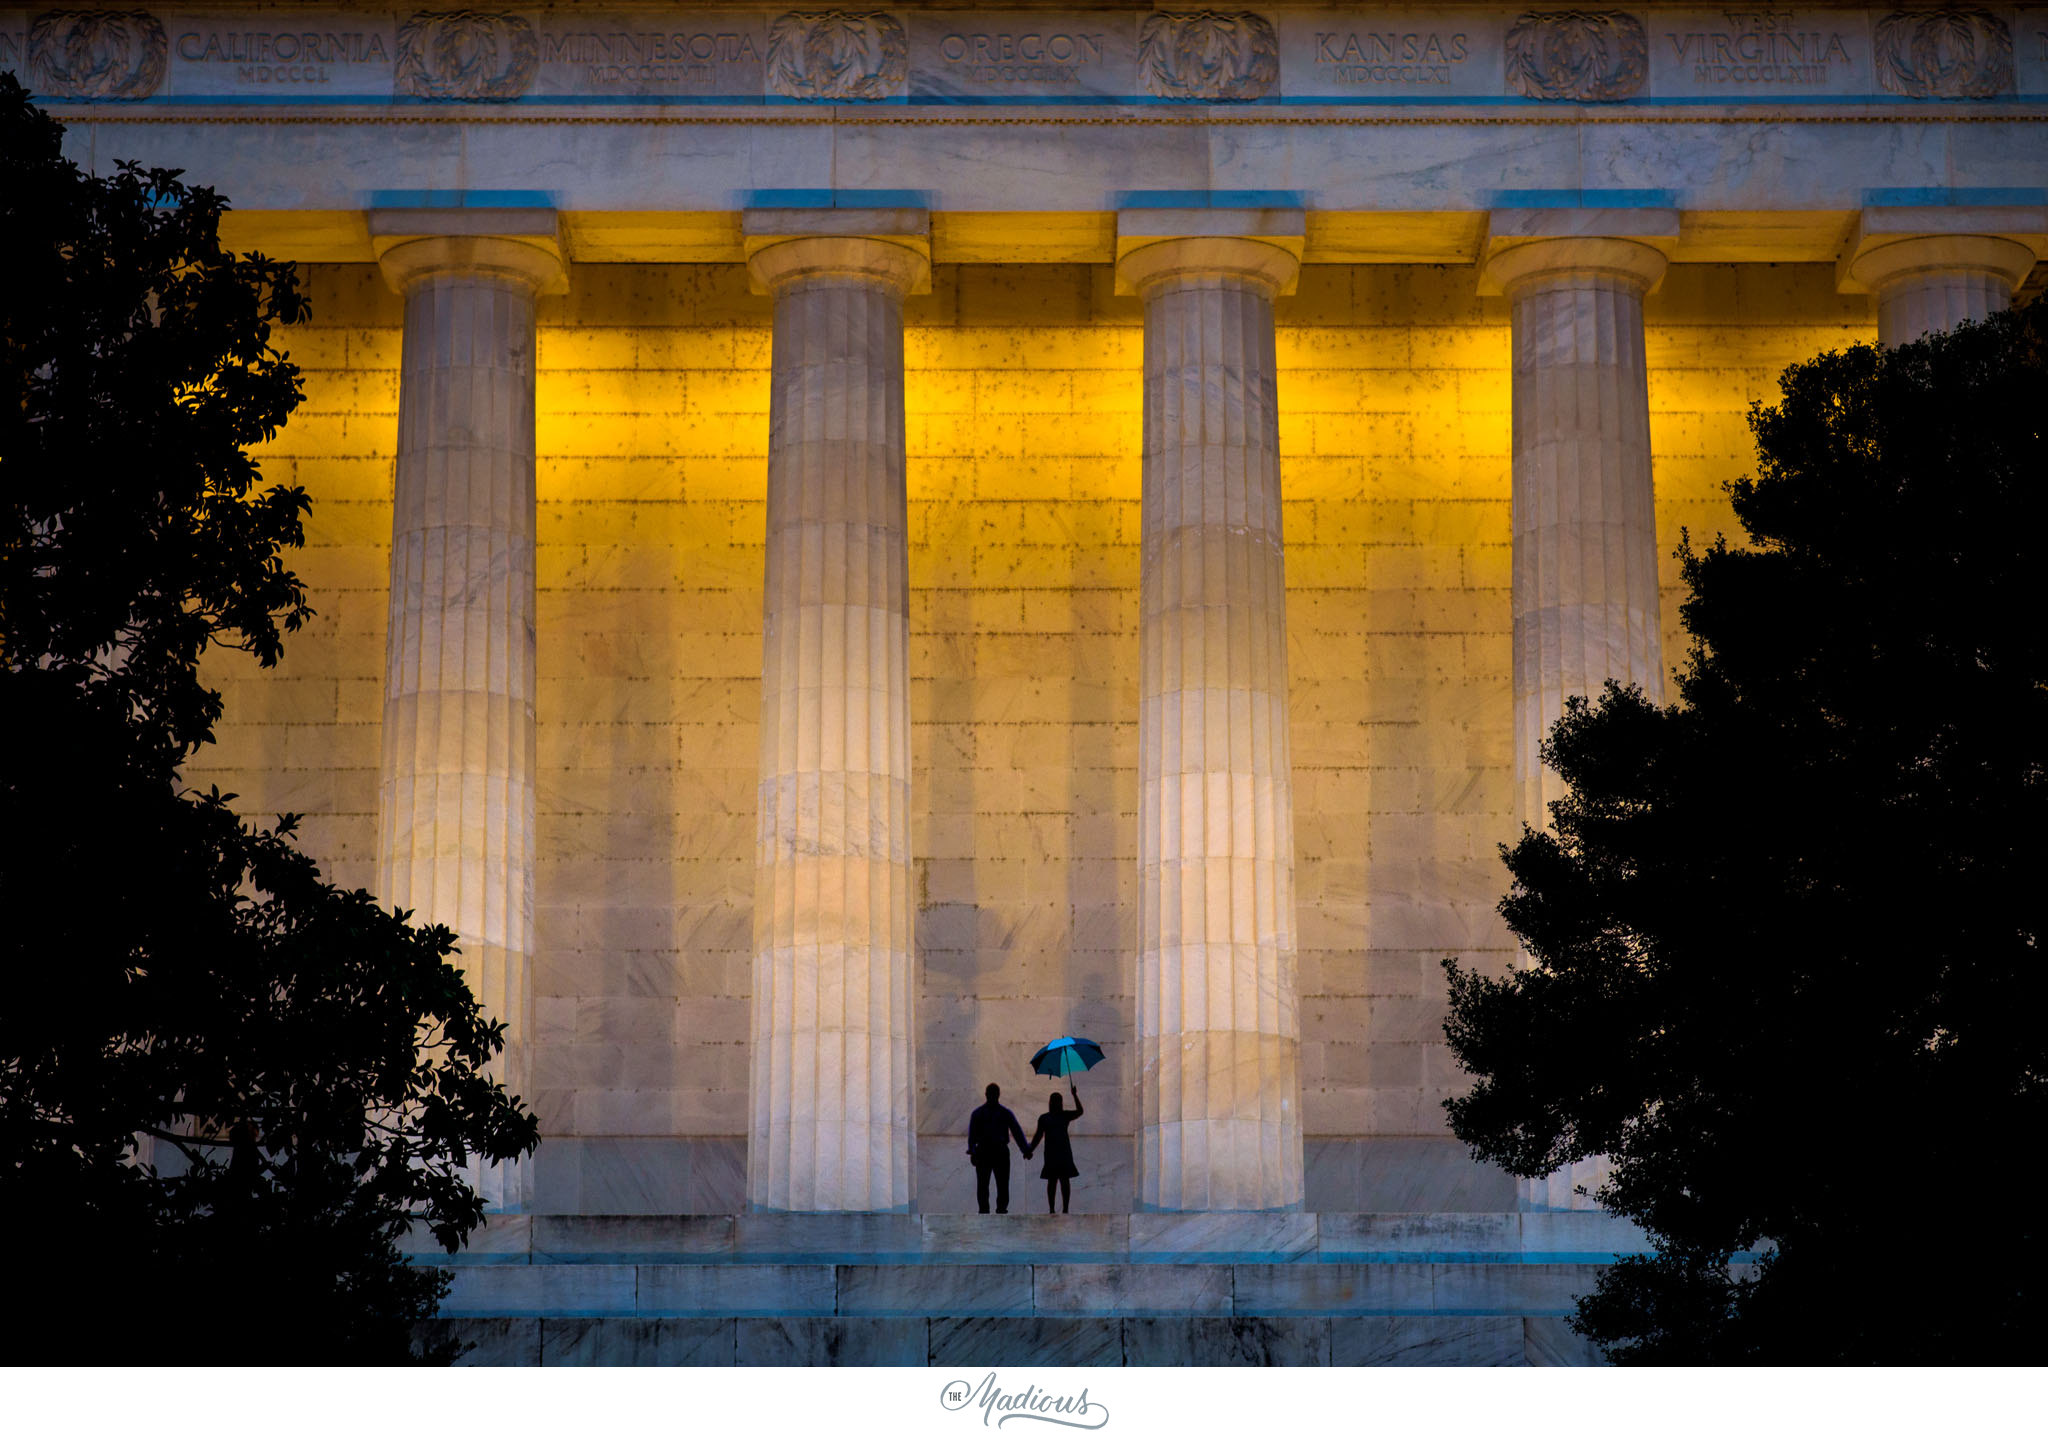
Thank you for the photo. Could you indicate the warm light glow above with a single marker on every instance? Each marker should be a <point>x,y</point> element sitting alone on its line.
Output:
<point>1023,401</point>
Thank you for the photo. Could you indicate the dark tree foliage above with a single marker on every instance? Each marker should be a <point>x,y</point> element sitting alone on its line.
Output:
<point>226,1086</point>
<point>1786,938</point>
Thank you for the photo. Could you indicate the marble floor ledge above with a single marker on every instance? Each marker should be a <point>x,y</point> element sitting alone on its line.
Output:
<point>1041,1290</point>
<point>1131,1341</point>
<point>1587,1237</point>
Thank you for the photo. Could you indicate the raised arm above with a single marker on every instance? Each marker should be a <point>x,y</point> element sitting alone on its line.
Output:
<point>1078,1110</point>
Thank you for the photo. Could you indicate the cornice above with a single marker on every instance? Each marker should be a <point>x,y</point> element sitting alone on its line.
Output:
<point>169,115</point>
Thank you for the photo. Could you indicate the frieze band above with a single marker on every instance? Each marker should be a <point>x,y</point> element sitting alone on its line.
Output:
<point>1540,55</point>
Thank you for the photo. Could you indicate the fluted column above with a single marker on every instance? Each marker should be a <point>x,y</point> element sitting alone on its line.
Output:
<point>1583,513</point>
<point>456,795</point>
<point>1931,283</point>
<point>833,1105</point>
<point>1218,1025</point>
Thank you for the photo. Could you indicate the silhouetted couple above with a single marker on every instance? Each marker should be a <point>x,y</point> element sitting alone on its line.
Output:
<point>989,1131</point>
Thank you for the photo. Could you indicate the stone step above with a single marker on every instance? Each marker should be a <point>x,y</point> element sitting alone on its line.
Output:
<point>1134,1341</point>
<point>1175,1238</point>
<point>1051,1290</point>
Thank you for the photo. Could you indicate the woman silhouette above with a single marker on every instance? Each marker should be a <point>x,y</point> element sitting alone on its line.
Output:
<point>1059,1153</point>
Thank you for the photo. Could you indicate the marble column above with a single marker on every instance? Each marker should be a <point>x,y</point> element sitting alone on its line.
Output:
<point>1932,282</point>
<point>833,1123</point>
<point>1218,1024</point>
<point>456,794</point>
<point>1583,517</point>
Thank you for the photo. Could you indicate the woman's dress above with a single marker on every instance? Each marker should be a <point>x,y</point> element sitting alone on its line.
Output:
<point>1059,1153</point>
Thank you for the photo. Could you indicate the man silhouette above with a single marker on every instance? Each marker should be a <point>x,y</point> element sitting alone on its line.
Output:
<point>989,1131</point>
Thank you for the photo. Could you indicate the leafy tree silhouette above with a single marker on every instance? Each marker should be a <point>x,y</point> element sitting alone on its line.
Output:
<point>1786,936</point>
<point>226,1086</point>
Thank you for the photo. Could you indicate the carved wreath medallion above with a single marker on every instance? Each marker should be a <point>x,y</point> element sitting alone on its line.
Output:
<point>837,54</point>
<point>466,55</point>
<point>1951,52</point>
<point>1577,55</point>
<point>97,54</point>
<point>1218,55</point>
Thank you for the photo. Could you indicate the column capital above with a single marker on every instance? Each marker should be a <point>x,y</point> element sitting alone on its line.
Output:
<point>1931,267</point>
<point>891,247</point>
<point>1878,268</point>
<point>524,245</point>
<point>1887,245</point>
<point>1158,246</point>
<point>1526,245</point>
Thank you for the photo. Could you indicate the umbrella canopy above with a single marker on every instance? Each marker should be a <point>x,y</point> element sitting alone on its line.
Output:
<point>1066,1055</point>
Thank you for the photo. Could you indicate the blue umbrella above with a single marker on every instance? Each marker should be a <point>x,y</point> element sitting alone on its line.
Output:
<point>1066,1055</point>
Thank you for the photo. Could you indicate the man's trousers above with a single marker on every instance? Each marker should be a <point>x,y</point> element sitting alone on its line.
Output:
<point>1001,1169</point>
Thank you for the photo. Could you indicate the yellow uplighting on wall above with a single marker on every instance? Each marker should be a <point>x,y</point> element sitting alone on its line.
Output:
<point>1023,436</point>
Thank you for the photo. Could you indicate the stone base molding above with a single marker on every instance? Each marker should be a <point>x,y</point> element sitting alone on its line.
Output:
<point>833,1116</point>
<point>456,794</point>
<point>1218,1023</point>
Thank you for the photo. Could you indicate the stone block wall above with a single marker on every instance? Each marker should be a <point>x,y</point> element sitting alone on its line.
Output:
<point>1022,401</point>
<point>305,735</point>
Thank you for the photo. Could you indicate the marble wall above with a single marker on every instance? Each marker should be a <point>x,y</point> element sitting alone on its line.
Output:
<point>1022,402</point>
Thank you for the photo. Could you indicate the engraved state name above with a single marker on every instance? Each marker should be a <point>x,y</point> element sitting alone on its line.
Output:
<point>1034,57</point>
<point>281,57</point>
<point>263,47</point>
<point>1767,53</point>
<point>1389,56</point>
<point>636,47</point>
<point>622,57</point>
<point>244,47</point>
<point>614,57</point>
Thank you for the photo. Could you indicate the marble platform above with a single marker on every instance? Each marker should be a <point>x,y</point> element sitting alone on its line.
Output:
<point>1409,1341</point>
<point>1127,1289</point>
<point>709,1175</point>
